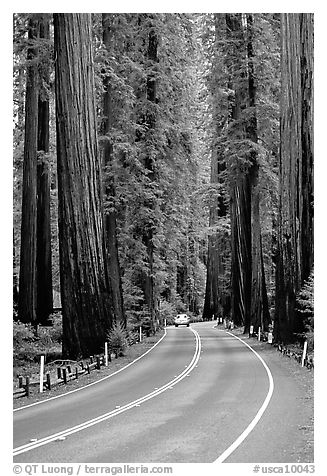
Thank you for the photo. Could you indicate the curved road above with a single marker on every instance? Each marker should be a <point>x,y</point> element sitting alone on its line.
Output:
<point>186,401</point>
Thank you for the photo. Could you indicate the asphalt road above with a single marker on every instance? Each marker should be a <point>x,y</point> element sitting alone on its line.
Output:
<point>199,396</point>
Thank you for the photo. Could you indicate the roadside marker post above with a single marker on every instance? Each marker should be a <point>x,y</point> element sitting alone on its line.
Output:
<point>140,333</point>
<point>48,381</point>
<point>259,333</point>
<point>41,373</point>
<point>305,348</point>
<point>64,374</point>
<point>106,354</point>
<point>270,337</point>
<point>251,330</point>
<point>27,386</point>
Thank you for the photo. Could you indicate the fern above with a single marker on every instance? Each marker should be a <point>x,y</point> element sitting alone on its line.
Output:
<point>117,339</point>
<point>305,303</point>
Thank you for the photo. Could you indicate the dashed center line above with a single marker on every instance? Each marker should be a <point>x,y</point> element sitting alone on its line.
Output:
<point>136,403</point>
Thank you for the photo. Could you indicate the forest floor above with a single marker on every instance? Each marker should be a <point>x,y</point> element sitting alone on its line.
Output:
<point>133,352</point>
<point>303,377</point>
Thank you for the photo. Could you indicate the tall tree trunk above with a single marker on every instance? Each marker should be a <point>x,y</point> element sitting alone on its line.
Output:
<point>27,277</point>
<point>259,301</point>
<point>295,228</point>
<point>240,208</point>
<point>211,300</point>
<point>240,193</point>
<point>114,277</point>
<point>307,56</point>
<point>84,288</point>
<point>214,302</point>
<point>43,258</point>
<point>151,89</point>
<point>148,122</point>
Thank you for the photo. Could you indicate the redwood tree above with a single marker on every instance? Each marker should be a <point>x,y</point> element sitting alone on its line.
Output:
<point>215,299</point>
<point>239,167</point>
<point>259,301</point>
<point>27,276</point>
<point>114,273</point>
<point>146,140</point>
<point>295,227</point>
<point>43,258</point>
<point>84,288</point>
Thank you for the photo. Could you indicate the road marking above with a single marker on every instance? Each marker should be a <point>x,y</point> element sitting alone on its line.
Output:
<point>258,416</point>
<point>92,383</point>
<point>111,414</point>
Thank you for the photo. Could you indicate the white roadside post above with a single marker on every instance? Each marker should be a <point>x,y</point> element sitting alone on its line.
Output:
<point>41,373</point>
<point>140,333</point>
<point>259,333</point>
<point>251,330</point>
<point>270,337</point>
<point>305,347</point>
<point>165,322</point>
<point>106,354</point>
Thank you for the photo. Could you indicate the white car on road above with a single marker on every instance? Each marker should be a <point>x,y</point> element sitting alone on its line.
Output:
<point>182,320</point>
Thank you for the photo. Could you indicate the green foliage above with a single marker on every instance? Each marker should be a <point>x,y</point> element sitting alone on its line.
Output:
<point>305,303</point>
<point>29,343</point>
<point>167,311</point>
<point>156,201</point>
<point>22,334</point>
<point>117,339</point>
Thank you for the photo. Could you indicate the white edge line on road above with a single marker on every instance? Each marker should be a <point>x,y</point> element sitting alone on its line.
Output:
<point>261,411</point>
<point>92,383</point>
<point>107,416</point>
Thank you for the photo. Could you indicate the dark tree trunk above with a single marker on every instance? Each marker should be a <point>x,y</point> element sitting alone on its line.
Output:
<point>240,209</point>
<point>211,300</point>
<point>148,123</point>
<point>307,55</point>
<point>43,259</point>
<point>259,301</point>
<point>295,227</point>
<point>114,273</point>
<point>214,302</point>
<point>151,89</point>
<point>240,193</point>
<point>84,288</point>
<point>27,277</point>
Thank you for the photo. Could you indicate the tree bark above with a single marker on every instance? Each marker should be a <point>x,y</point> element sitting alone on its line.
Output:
<point>307,212</point>
<point>27,277</point>
<point>43,259</point>
<point>84,288</point>
<point>259,302</point>
<point>114,273</point>
<point>211,300</point>
<point>240,185</point>
<point>148,121</point>
<point>295,227</point>
<point>215,297</point>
